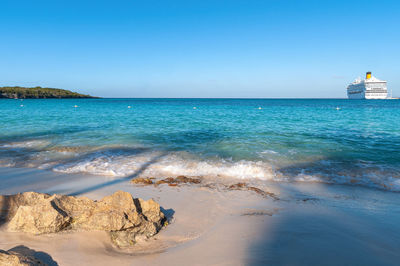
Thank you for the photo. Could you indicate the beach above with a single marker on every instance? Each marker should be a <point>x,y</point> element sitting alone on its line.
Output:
<point>232,133</point>
<point>309,224</point>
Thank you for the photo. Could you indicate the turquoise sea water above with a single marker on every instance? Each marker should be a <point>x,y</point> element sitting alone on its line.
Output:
<point>282,140</point>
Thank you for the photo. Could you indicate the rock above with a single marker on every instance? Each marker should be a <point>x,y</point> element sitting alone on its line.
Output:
<point>173,182</point>
<point>184,179</point>
<point>119,214</point>
<point>168,180</point>
<point>38,219</point>
<point>238,186</point>
<point>68,148</point>
<point>123,239</point>
<point>151,210</point>
<point>178,180</point>
<point>263,193</point>
<point>142,181</point>
<point>12,258</point>
<point>244,186</point>
<point>9,204</point>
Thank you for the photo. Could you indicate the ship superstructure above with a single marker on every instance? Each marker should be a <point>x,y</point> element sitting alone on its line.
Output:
<point>369,88</point>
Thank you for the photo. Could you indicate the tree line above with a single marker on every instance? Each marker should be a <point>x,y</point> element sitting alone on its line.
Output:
<point>38,93</point>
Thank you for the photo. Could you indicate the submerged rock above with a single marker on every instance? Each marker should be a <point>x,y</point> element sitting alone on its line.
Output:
<point>39,213</point>
<point>244,186</point>
<point>142,181</point>
<point>184,179</point>
<point>178,180</point>
<point>169,180</point>
<point>175,182</point>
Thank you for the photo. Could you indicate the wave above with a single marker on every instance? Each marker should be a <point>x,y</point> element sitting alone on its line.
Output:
<point>158,165</point>
<point>173,164</point>
<point>123,161</point>
<point>30,144</point>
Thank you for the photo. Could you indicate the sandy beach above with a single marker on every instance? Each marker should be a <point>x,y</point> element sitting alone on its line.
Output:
<point>310,224</point>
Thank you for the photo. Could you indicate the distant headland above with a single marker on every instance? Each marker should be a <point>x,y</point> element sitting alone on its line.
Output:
<point>38,93</point>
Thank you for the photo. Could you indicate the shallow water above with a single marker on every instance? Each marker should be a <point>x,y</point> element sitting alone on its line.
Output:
<point>268,139</point>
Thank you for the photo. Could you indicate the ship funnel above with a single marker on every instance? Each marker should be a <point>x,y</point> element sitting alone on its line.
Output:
<point>368,75</point>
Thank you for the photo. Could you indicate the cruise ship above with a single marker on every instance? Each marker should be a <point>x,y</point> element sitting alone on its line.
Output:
<point>369,88</point>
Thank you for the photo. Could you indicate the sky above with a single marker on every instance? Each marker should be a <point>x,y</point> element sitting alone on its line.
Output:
<point>217,48</point>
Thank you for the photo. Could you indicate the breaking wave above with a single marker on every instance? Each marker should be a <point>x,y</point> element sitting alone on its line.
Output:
<point>122,161</point>
<point>159,164</point>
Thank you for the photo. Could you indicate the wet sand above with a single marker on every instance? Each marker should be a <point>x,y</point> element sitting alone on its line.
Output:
<point>310,224</point>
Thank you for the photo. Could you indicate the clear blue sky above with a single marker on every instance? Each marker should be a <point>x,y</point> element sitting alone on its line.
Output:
<point>199,48</point>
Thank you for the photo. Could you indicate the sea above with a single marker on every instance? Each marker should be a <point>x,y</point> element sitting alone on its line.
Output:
<point>331,141</point>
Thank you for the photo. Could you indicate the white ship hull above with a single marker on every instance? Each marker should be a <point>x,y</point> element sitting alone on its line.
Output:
<point>370,88</point>
<point>359,96</point>
<point>362,95</point>
<point>377,97</point>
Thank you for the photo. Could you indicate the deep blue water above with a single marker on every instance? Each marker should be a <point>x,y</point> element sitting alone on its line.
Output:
<point>268,139</point>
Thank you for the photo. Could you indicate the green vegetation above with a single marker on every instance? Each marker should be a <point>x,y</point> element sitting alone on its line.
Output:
<point>38,93</point>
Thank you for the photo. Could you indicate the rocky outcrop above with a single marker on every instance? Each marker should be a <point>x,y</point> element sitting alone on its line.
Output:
<point>142,181</point>
<point>126,218</point>
<point>12,258</point>
<point>173,182</point>
<point>169,180</point>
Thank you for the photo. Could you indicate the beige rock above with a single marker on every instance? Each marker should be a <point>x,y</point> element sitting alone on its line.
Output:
<point>11,258</point>
<point>125,217</point>
<point>150,209</point>
<point>39,219</point>
<point>10,204</point>
<point>123,239</point>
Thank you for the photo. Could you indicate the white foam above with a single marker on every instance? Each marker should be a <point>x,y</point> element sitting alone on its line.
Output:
<point>169,165</point>
<point>26,144</point>
<point>269,152</point>
<point>158,165</point>
<point>121,162</point>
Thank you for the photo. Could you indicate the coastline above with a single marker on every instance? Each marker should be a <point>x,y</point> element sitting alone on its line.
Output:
<point>17,92</point>
<point>311,224</point>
